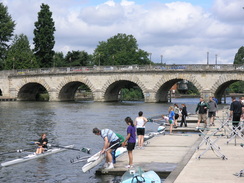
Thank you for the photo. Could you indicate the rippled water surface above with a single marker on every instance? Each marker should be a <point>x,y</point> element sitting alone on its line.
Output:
<point>65,123</point>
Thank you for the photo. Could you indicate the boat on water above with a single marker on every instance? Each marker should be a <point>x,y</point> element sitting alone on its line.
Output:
<point>136,175</point>
<point>34,156</point>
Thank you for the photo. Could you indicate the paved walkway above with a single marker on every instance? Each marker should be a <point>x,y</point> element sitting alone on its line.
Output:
<point>178,154</point>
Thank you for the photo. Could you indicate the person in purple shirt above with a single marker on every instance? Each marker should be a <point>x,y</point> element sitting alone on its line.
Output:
<point>130,139</point>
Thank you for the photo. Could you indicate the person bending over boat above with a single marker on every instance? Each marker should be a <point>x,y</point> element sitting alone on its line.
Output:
<point>130,139</point>
<point>42,144</point>
<point>111,141</point>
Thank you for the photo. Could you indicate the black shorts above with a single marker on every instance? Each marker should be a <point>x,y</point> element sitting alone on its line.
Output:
<point>114,142</point>
<point>140,131</point>
<point>211,114</point>
<point>176,116</point>
<point>130,146</point>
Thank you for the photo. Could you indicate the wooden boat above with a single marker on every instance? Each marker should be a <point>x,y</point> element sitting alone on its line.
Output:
<point>34,156</point>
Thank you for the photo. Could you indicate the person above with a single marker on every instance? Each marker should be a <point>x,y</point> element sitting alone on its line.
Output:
<point>111,142</point>
<point>242,104</point>
<point>235,111</point>
<point>171,119</point>
<point>202,112</point>
<point>183,115</point>
<point>216,100</point>
<point>177,111</point>
<point>166,118</point>
<point>212,111</point>
<point>130,139</point>
<point>121,139</point>
<point>42,144</point>
<point>140,123</point>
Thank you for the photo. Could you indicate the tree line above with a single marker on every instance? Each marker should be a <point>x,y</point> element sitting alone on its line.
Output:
<point>121,49</point>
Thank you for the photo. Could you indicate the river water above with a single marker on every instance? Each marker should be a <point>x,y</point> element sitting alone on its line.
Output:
<point>65,123</point>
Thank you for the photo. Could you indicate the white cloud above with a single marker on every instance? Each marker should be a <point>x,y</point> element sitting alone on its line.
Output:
<point>181,31</point>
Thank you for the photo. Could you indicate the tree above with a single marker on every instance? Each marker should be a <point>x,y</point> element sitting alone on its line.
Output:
<point>77,58</point>
<point>44,37</point>
<point>121,49</point>
<point>6,32</point>
<point>20,55</point>
<point>239,57</point>
<point>58,59</point>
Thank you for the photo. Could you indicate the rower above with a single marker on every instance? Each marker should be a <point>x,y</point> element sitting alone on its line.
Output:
<point>42,144</point>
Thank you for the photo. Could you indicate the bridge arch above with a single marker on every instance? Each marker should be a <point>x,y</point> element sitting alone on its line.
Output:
<point>28,88</point>
<point>30,91</point>
<point>222,83</point>
<point>165,84</point>
<point>112,87</point>
<point>68,87</point>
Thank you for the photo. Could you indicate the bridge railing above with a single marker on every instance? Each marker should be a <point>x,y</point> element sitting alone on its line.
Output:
<point>129,68</point>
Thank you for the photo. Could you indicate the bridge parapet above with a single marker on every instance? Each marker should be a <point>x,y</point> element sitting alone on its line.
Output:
<point>131,68</point>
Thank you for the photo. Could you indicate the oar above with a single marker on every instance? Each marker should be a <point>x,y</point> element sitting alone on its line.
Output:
<point>16,151</point>
<point>79,159</point>
<point>83,149</point>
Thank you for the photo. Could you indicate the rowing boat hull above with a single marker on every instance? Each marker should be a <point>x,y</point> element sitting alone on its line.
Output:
<point>148,177</point>
<point>93,161</point>
<point>30,157</point>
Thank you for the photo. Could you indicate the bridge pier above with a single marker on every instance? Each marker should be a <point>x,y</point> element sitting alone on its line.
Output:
<point>98,96</point>
<point>205,94</point>
<point>53,95</point>
<point>150,97</point>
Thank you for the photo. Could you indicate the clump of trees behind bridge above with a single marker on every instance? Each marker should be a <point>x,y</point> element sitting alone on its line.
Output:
<point>121,49</point>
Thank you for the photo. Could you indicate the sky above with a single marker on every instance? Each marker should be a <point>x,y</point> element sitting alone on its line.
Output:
<point>174,32</point>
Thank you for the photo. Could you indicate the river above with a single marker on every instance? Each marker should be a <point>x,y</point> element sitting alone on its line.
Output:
<point>65,123</point>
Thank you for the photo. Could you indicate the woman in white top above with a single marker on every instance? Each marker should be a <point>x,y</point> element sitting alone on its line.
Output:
<point>140,123</point>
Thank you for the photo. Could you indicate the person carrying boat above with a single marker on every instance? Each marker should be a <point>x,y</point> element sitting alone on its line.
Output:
<point>42,144</point>
<point>111,142</point>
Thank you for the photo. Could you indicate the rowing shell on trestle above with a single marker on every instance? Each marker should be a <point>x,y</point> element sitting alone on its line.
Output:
<point>34,156</point>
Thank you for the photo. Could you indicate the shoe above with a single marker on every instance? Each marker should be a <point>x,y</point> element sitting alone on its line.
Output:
<point>197,128</point>
<point>105,165</point>
<point>171,133</point>
<point>185,125</point>
<point>213,124</point>
<point>129,166</point>
<point>142,148</point>
<point>110,166</point>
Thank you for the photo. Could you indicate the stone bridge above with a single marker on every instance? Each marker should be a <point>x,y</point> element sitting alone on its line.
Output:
<point>106,82</point>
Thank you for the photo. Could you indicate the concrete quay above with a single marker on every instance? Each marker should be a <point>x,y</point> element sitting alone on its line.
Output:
<point>175,157</point>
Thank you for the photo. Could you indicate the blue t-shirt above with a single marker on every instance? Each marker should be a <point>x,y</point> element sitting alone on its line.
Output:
<point>132,131</point>
<point>171,115</point>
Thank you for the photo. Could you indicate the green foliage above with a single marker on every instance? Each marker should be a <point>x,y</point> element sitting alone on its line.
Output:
<point>58,59</point>
<point>192,90</point>
<point>239,57</point>
<point>44,37</point>
<point>6,32</point>
<point>121,49</point>
<point>131,94</point>
<point>237,87</point>
<point>76,58</point>
<point>20,55</point>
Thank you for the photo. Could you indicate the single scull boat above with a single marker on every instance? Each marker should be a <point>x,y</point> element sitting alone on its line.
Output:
<point>34,156</point>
